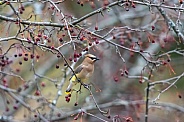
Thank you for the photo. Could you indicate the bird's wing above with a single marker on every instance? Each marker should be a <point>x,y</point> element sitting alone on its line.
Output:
<point>77,70</point>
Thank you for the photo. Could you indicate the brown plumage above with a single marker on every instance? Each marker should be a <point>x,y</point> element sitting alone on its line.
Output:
<point>83,71</point>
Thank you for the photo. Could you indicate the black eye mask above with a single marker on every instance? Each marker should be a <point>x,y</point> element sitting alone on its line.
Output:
<point>93,58</point>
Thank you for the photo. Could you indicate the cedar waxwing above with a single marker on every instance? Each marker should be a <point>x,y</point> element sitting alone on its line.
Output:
<point>83,71</point>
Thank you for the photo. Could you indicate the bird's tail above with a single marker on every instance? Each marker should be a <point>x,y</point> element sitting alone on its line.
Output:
<point>69,88</point>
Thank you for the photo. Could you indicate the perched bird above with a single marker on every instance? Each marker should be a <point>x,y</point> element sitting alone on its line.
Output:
<point>83,71</point>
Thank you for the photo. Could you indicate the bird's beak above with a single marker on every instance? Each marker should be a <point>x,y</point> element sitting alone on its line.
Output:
<point>96,59</point>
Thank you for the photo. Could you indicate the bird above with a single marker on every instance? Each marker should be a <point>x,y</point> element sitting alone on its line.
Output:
<point>83,72</point>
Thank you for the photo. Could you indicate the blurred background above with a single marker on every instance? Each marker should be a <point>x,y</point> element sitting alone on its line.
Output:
<point>41,41</point>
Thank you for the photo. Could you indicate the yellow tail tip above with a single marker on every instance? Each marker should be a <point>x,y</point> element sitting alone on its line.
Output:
<point>66,92</point>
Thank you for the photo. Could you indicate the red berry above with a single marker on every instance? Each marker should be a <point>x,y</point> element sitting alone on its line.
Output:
<point>37,56</point>
<point>26,86</point>
<point>37,93</point>
<point>116,79</point>
<point>15,107</point>
<point>90,44</point>
<point>37,39</point>
<point>17,22</point>
<point>65,28</point>
<point>80,54</point>
<point>86,49</point>
<point>57,66</point>
<point>179,96</point>
<point>140,81</point>
<point>32,56</point>
<point>4,81</point>
<point>20,54</point>
<point>8,102</point>
<point>168,60</point>
<point>67,99</point>
<point>75,55</point>
<point>164,62</point>
<point>82,38</point>
<point>97,42</point>
<point>22,7</point>
<point>69,95</point>
<point>39,35</point>
<point>153,41</point>
<point>96,28</point>
<point>70,59</point>
<point>153,27</point>
<point>52,47</point>
<point>48,40</point>
<point>25,59</point>
<point>106,2</point>
<point>63,35</point>
<point>21,12</point>
<point>29,41</point>
<point>17,70</point>
<point>52,7</point>
<point>133,5</point>
<point>75,104</point>
<point>45,36</point>
<point>71,31</point>
<point>7,109</point>
<point>127,4</point>
<point>94,38</point>
<point>60,39</point>
<point>58,114</point>
<point>58,56</point>
<point>26,54</point>
<point>42,84</point>
<point>75,60</point>
<point>181,1</point>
